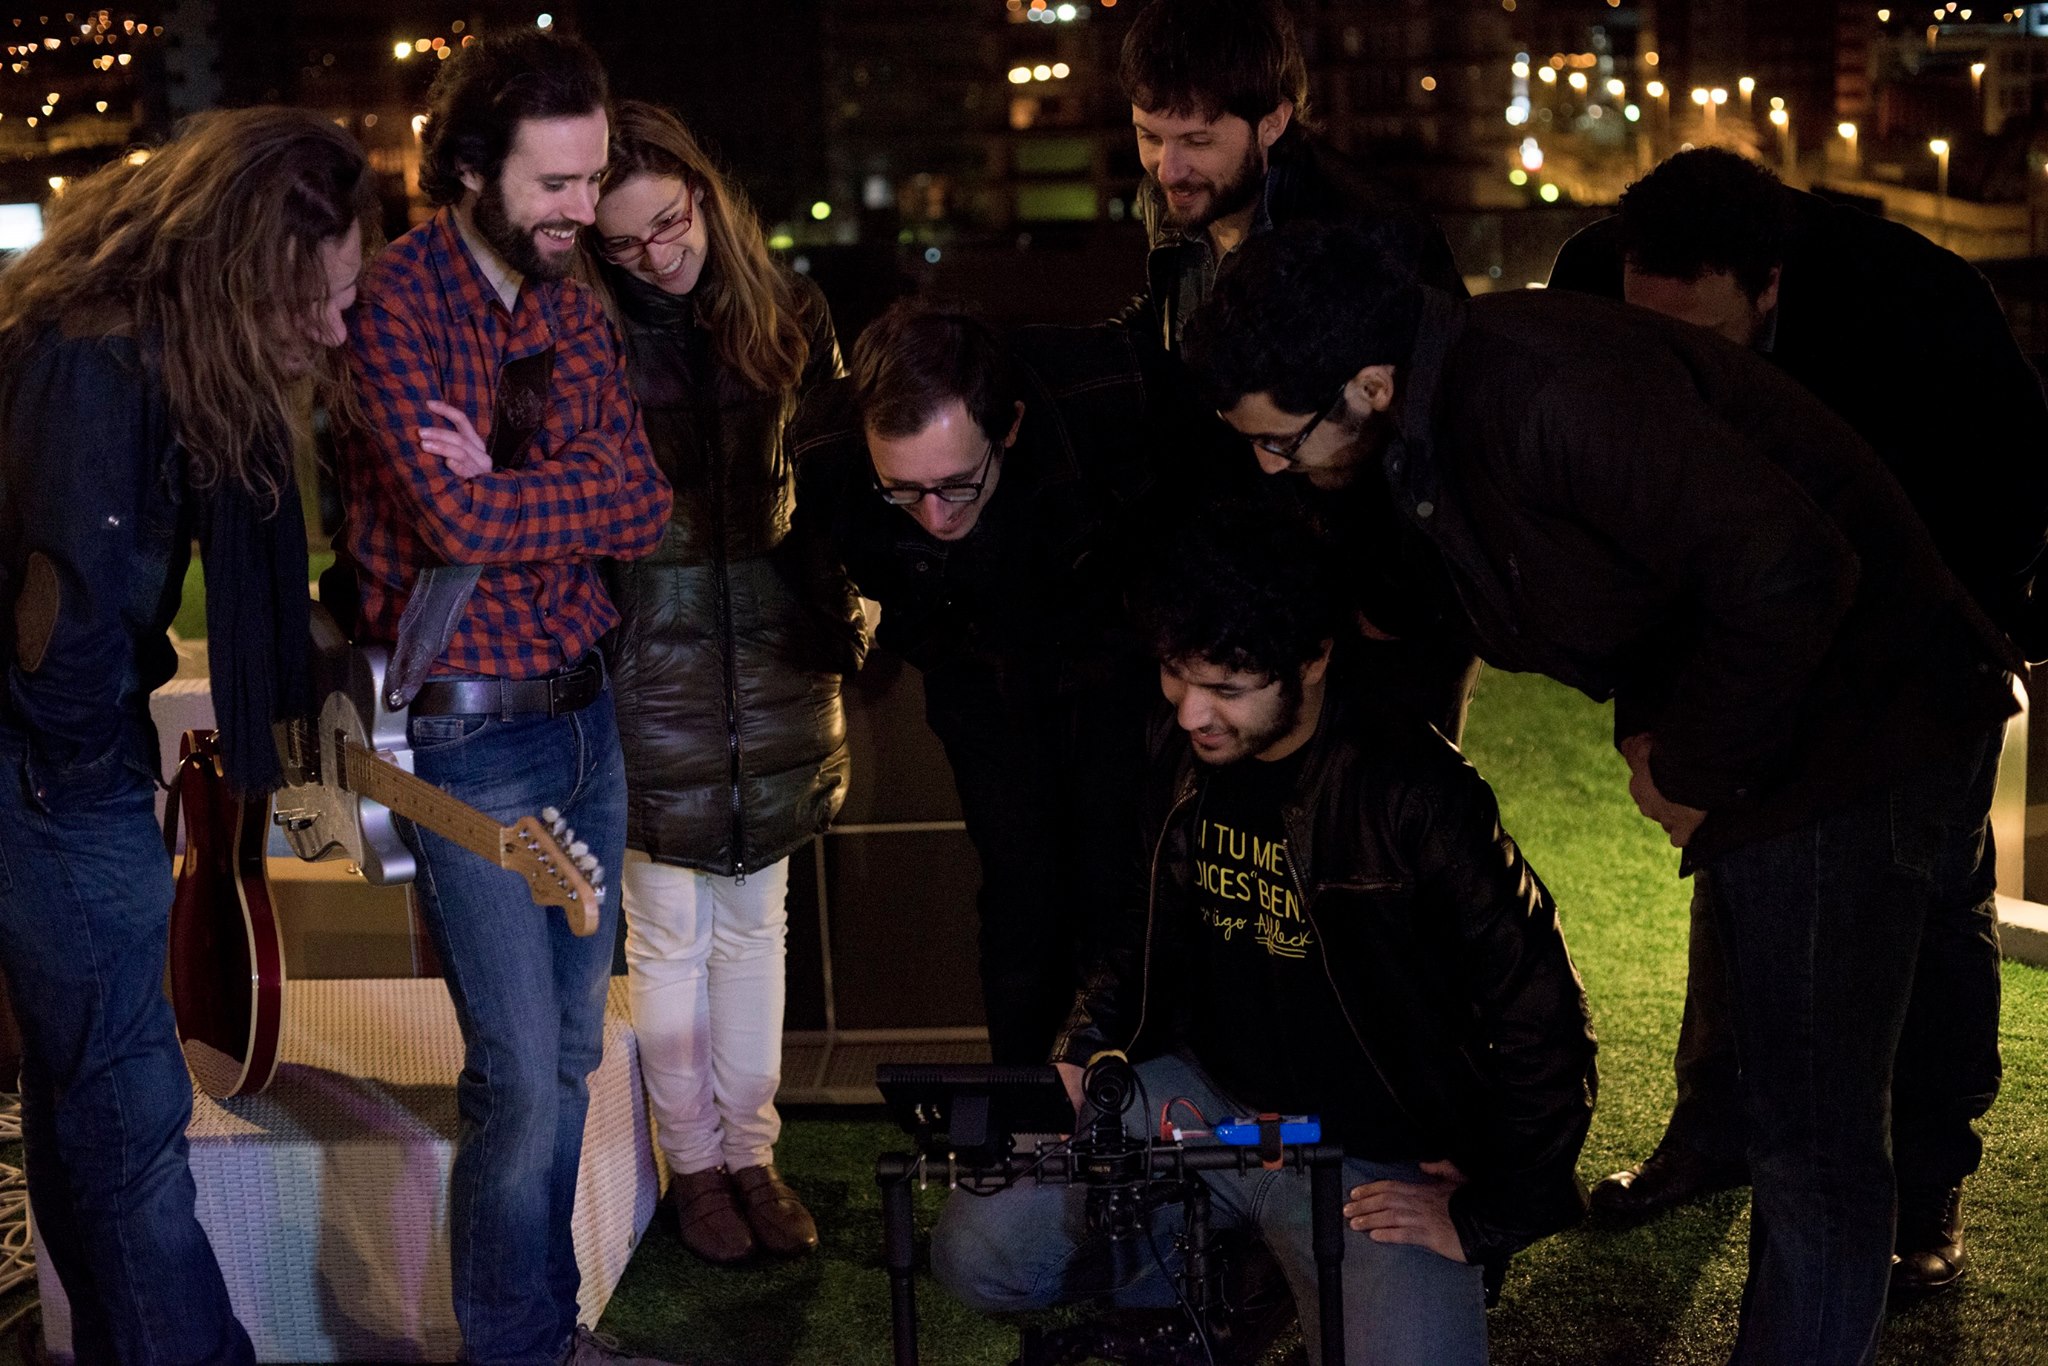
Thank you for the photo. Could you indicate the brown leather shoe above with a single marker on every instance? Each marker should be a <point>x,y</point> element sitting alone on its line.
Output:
<point>710,1222</point>
<point>779,1220</point>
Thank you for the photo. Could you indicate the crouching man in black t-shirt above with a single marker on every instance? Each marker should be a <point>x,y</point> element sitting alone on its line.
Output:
<point>1330,920</point>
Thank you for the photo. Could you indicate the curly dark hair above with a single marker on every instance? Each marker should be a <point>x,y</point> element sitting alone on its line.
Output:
<point>1248,584</point>
<point>1298,311</point>
<point>481,96</point>
<point>1213,57</point>
<point>1708,209</point>
<point>920,355</point>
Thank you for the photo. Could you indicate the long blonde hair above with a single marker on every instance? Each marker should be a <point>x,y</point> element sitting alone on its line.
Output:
<point>209,251</point>
<point>743,296</point>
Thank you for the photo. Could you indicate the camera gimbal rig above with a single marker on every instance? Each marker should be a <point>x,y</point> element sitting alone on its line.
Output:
<point>964,1119</point>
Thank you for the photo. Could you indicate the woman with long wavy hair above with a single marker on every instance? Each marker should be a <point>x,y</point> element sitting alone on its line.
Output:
<point>153,352</point>
<point>727,674</point>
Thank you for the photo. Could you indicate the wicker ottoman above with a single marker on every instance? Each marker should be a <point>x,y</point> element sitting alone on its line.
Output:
<point>326,1197</point>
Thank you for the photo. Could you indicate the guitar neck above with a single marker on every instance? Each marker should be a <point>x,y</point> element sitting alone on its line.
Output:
<point>420,802</point>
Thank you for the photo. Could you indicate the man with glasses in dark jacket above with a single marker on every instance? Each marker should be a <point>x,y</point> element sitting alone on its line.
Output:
<point>1808,701</point>
<point>1327,919</point>
<point>1219,104</point>
<point>988,494</point>
<point>1906,342</point>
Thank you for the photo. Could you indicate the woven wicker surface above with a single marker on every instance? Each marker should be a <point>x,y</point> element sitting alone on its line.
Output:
<point>326,1196</point>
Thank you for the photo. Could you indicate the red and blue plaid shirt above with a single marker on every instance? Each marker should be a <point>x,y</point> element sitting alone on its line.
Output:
<point>429,325</point>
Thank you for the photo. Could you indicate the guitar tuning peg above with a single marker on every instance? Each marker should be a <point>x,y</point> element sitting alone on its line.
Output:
<point>577,850</point>
<point>551,815</point>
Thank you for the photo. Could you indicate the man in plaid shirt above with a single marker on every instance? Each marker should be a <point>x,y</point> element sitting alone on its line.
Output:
<point>469,331</point>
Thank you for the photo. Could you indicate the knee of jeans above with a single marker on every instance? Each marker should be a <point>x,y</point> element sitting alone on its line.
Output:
<point>973,1257</point>
<point>512,1096</point>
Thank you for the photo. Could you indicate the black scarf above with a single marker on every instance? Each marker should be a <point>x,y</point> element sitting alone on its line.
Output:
<point>258,622</point>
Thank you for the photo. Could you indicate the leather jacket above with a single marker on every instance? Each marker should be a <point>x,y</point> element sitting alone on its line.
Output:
<point>1438,941</point>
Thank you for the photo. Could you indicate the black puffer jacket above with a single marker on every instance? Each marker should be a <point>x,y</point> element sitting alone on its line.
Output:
<point>727,676</point>
<point>1439,942</point>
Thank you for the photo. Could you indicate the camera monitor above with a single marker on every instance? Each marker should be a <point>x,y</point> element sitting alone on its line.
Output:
<point>973,1110</point>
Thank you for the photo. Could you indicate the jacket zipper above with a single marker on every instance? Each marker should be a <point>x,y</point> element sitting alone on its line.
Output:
<point>1329,975</point>
<point>1186,793</point>
<point>715,447</point>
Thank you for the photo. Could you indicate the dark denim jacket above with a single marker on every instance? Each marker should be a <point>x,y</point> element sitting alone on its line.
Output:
<point>94,541</point>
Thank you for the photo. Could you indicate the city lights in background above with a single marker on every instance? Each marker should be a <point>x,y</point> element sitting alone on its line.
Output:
<point>1024,75</point>
<point>1052,11</point>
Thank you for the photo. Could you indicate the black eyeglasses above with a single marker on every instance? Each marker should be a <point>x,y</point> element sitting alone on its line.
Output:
<point>909,495</point>
<point>1293,446</point>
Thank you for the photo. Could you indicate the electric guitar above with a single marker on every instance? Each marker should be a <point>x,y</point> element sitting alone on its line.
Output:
<point>347,777</point>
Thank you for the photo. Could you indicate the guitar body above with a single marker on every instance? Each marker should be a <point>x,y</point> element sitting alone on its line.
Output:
<point>226,954</point>
<point>320,817</point>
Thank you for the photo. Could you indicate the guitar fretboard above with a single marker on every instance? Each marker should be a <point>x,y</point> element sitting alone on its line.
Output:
<point>420,802</point>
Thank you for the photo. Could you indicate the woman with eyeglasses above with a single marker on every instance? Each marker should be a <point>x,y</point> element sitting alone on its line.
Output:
<point>727,675</point>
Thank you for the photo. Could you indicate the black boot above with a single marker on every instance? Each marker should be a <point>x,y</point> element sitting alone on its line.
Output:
<point>1671,1176</point>
<point>1929,1251</point>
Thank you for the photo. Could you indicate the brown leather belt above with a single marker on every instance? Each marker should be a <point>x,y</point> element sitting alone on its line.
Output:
<point>557,694</point>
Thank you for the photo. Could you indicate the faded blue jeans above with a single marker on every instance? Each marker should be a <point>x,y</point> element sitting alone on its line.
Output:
<point>530,998</point>
<point>1823,929</point>
<point>1028,1248</point>
<point>85,899</point>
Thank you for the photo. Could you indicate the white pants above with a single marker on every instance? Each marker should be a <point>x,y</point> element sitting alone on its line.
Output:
<point>706,957</point>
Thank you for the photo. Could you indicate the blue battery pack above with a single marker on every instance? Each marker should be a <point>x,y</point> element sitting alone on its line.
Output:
<point>1245,1132</point>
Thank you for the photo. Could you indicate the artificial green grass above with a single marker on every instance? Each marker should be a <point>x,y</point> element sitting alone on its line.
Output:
<point>1665,1295</point>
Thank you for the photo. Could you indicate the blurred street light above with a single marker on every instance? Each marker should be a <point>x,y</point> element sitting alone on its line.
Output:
<point>1939,146</point>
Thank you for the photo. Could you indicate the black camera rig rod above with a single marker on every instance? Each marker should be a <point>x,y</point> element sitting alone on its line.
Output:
<point>895,1173</point>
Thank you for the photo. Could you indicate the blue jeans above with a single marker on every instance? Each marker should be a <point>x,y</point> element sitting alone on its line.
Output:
<point>85,897</point>
<point>1822,929</point>
<point>1029,1248</point>
<point>530,998</point>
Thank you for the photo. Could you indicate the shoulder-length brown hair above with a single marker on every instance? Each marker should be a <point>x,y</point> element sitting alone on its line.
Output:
<point>209,251</point>
<point>743,296</point>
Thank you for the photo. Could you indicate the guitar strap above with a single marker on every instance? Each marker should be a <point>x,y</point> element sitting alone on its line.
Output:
<point>441,593</point>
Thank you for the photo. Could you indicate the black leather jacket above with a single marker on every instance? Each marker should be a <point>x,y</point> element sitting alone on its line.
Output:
<point>727,672</point>
<point>1438,941</point>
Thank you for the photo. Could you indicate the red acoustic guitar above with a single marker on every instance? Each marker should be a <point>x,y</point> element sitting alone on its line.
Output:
<point>227,957</point>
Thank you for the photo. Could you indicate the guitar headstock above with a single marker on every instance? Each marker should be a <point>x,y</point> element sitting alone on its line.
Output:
<point>559,868</point>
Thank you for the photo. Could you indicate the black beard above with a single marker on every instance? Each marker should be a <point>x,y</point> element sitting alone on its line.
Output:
<point>1257,742</point>
<point>514,245</point>
<point>1241,191</point>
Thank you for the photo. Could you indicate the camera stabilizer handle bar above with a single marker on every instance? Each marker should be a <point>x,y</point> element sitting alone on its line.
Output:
<point>894,1173</point>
